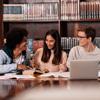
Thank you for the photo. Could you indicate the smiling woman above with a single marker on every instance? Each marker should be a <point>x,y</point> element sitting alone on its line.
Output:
<point>11,55</point>
<point>51,57</point>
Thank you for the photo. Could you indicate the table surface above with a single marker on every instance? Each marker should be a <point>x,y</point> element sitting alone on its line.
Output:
<point>49,88</point>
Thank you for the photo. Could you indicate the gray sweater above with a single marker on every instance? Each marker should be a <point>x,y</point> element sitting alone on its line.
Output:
<point>78,52</point>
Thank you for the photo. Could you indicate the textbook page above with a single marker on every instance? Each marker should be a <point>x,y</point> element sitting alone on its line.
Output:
<point>56,74</point>
<point>11,76</point>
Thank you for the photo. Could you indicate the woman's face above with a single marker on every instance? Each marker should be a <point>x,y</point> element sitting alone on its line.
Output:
<point>83,40</point>
<point>50,41</point>
<point>23,44</point>
<point>20,47</point>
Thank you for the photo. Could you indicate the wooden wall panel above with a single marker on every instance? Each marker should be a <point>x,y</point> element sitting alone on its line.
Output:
<point>1,23</point>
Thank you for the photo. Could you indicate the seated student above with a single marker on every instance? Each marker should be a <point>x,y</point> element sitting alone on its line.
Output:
<point>86,48</point>
<point>51,58</point>
<point>11,57</point>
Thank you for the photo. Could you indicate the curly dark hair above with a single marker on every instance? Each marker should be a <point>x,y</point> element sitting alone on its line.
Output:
<point>90,32</point>
<point>15,36</point>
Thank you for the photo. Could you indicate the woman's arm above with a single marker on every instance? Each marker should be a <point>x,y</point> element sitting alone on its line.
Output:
<point>63,63</point>
<point>35,59</point>
<point>6,65</point>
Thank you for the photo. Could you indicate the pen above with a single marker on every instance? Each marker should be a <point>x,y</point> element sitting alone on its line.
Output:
<point>29,67</point>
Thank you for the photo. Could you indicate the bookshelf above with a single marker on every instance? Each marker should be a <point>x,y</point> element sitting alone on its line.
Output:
<point>77,14</point>
<point>38,16</point>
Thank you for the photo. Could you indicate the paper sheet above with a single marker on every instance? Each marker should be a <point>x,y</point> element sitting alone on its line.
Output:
<point>11,76</point>
<point>56,74</point>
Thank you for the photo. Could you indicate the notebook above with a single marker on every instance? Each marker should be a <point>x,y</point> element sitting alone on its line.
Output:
<point>56,74</point>
<point>84,69</point>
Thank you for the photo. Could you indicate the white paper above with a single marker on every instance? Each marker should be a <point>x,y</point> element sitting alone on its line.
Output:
<point>99,74</point>
<point>10,76</point>
<point>56,74</point>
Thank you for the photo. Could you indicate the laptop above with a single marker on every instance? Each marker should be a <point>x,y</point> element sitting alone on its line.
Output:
<point>84,69</point>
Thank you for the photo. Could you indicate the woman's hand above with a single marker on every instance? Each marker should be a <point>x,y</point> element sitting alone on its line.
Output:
<point>45,70</point>
<point>34,63</point>
<point>23,67</point>
<point>62,68</point>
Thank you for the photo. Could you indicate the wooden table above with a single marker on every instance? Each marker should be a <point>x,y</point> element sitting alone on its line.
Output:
<point>49,89</point>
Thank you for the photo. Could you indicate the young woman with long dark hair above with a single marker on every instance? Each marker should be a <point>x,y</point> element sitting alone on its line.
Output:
<point>51,57</point>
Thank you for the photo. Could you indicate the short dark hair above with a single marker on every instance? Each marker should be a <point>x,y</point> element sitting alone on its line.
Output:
<point>15,36</point>
<point>90,32</point>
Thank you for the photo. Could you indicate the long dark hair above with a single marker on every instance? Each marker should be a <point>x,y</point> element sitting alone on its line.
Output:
<point>57,48</point>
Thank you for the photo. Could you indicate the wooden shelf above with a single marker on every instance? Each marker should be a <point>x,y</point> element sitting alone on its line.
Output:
<point>66,24</point>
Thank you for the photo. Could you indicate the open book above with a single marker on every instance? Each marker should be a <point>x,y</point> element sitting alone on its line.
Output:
<point>14,76</point>
<point>56,74</point>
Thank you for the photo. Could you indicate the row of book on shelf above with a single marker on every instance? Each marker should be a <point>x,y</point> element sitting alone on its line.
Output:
<point>67,10</point>
<point>90,10</point>
<point>34,11</point>
<point>76,10</point>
